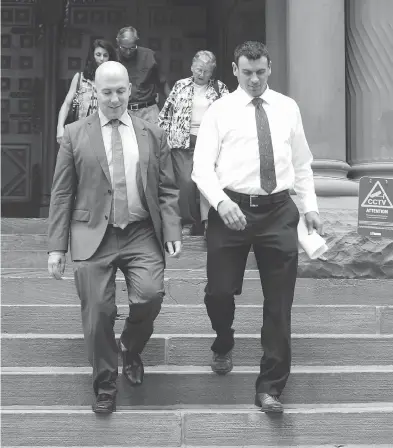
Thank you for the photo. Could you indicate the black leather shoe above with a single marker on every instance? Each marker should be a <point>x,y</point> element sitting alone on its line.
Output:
<point>105,404</point>
<point>222,364</point>
<point>268,403</point>
<point>132,367</point>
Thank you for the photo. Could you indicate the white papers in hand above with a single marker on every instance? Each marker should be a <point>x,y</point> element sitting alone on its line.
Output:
<point>314,245</point>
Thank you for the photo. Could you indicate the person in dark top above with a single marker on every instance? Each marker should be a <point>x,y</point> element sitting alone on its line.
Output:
<point>145,75</point>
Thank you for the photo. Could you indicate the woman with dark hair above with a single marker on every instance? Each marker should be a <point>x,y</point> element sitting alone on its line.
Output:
<point>81,98</point>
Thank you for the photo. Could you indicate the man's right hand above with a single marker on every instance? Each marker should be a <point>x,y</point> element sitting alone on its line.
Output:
<point>231,214</point>
<point>56,264</point>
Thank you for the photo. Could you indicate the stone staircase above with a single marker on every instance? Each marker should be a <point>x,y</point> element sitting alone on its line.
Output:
<point>339,394</point>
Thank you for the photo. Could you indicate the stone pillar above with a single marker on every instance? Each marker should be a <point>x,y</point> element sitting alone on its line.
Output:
<point>370,87</point>
<point>316,80</point>
<point>276,42</point>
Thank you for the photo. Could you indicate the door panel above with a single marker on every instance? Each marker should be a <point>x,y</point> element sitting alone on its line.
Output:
<point>21,86</point>
<point>176,30</point>
<point>85,22</point>
<point>232,22</point>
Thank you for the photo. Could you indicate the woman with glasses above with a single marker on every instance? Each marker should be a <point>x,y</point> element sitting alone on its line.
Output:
<point>181,117</point>
<point>80,100</point>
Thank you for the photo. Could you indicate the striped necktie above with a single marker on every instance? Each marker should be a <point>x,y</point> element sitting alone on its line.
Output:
<point>266,157</point>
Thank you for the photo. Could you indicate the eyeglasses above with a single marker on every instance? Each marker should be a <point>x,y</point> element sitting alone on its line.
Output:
<point>199,71</point>
<point>134,47</point>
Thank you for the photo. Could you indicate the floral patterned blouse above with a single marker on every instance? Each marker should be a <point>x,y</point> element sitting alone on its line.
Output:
<point>85,98</point>
<point>175,116</point>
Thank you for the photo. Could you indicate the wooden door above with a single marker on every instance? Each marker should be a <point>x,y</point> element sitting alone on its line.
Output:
<point>21,107</point>
<point>230,23</point>
<point>175,30</point>
<point>87,20</point>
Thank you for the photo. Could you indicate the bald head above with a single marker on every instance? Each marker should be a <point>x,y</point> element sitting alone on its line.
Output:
<point>111,69</point>
<point>113,89</point>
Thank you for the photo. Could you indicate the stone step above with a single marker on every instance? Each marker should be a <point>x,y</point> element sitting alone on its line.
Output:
<point>331,213</point>
<point>17,226</point>
<point>185,319</point>
<point>20,350</point>
<point>350,255</point>
<point>28,259</point>
<point>180,290</point>
<point>190,385</point>
<point>353,426</point>
<point>42,272</point>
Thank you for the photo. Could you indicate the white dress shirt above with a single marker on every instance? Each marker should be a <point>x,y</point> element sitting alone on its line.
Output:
<point>227,150</point>
<point>131,161</point>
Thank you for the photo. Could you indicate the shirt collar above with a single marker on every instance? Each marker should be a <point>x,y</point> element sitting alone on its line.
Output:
<point>189,81</point>
<point>124,119</point>
<point>245,98</point>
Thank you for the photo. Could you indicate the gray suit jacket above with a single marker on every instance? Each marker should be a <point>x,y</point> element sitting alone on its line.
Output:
<point>81,196</point>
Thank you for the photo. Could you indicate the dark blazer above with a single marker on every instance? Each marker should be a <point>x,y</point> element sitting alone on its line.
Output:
<point>81,196</point>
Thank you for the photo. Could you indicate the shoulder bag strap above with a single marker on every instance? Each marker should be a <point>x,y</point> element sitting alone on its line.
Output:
<point>216,88</point>
<point>79,82</point>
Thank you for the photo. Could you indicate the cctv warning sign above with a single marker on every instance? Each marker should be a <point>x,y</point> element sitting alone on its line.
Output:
<point>375,214</point>
<point>377,197</point>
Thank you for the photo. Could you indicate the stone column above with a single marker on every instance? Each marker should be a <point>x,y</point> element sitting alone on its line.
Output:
<point>276,42</point>
<point>316,80</point>
<point>370,87</point>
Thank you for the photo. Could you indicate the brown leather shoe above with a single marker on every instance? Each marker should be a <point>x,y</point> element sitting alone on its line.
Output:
<point>222,364</point>
<point>133,369</point>
<point>268,403</point>
<point>105,404</point>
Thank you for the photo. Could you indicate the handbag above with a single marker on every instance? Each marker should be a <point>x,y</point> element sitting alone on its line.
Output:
<point>73,112</point>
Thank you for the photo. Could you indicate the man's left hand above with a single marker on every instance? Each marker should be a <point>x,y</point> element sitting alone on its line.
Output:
<point>313,221</point>
<point>173,248</point>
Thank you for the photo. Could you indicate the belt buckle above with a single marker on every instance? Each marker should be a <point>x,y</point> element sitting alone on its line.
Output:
<point>134,106</point>
<point>253,196</point>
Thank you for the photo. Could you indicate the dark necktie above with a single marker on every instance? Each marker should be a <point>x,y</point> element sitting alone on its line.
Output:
<point>120,203</point>
<point>268,173</point>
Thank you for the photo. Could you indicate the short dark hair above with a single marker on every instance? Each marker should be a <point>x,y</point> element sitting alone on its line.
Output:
<point>252,50</point>
<point>91,64</point>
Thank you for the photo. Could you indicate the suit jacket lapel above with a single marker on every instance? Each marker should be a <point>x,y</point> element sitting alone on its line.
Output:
<point>143,147</point>
<point>97,143</point>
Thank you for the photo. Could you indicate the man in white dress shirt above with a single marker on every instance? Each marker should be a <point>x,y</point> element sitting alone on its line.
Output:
<point>251,150</point>
<point>115,200</point>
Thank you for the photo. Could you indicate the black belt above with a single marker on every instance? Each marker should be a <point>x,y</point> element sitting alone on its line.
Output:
<point>255,200</point>
<point>137,106</point>
<point>111,225</point>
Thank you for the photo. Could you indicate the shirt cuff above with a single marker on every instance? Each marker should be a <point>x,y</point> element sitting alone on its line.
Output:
<point>217,198</point>
<point>310,204</point>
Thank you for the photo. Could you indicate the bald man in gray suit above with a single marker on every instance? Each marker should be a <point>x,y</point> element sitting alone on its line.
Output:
<point>114,199</point>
